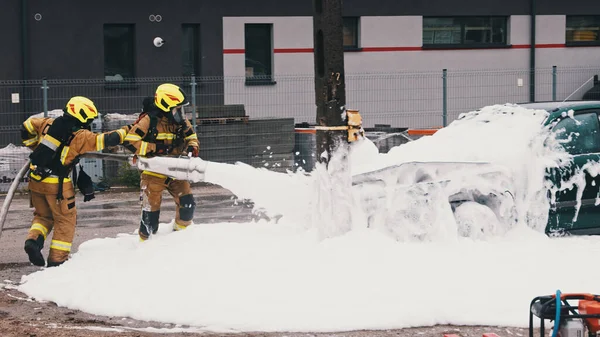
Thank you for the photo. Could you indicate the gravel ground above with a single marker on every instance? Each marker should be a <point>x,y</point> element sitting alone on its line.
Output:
<point>23,316</point>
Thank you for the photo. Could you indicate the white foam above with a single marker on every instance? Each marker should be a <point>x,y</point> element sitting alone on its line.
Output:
<point>405,260</point>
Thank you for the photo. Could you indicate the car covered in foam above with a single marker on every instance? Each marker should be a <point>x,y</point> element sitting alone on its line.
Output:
<point>536,164</point>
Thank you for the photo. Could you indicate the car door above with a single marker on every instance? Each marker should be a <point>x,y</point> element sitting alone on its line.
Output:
<point>575,210</point>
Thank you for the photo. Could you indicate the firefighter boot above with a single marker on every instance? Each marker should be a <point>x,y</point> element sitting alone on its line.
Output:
<point>149,224</point>
<point>33,248</point>
<point>55,264</point>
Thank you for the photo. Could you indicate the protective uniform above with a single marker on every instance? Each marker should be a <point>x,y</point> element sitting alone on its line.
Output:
<point>57,144</point>
<point>163,130</point>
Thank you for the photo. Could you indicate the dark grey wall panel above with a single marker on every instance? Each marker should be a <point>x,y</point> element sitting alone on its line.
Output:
<point>10,37</point>
<point>574,7</point>
<point>68,41</point>
<point>434,7</point>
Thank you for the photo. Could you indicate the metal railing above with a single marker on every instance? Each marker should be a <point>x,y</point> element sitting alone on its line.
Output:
<point>428,99</point>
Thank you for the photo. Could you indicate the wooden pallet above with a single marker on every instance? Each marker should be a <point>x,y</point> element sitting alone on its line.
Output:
<point>222,120</point>
<point>220,111</point>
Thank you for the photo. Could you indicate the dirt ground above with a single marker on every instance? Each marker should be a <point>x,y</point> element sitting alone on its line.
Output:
<point>116,212</point>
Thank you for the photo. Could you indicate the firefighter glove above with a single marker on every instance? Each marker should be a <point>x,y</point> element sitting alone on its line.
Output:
<point>193,150</point>
<point>85,185</point>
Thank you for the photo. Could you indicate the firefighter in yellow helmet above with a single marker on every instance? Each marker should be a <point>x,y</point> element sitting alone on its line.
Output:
<point>163,130</point>
<point>57,144</point>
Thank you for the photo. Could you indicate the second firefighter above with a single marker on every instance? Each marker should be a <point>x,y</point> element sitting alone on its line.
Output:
<point>163,130</point>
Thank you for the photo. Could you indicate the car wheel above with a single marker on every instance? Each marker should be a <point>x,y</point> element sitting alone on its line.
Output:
<point>476,221</point>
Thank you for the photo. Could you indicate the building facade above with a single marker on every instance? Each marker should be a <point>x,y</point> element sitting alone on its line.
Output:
<point>243,49</point>
<point>94,39</point>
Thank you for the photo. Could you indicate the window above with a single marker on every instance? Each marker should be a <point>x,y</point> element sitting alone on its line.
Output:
<point>190,49</point>
<point>583,30</point>
<point>259,52</point>
<point>484,31</point>
<point>579,134</point>
<point>350,32</point>
<point>119,52</point>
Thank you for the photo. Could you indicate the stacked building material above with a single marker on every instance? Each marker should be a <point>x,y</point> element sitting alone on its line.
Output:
<point>305,147</point>
<point>224,143</point>
<point>220,111</point>
<point>271,143</point>
<point>228,135</point>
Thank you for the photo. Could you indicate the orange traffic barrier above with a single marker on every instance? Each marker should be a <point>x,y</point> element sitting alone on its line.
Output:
<point>421,132</point>
<point>411,132</point>
<point>302,130</point>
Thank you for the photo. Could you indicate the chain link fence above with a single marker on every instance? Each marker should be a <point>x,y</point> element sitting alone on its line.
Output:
<point>238,120</point>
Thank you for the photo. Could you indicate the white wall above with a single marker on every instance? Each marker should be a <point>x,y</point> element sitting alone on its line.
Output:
<point>518,29</point>
<point>393,81</point>
<point>288,33</point>
<point>550,29</point>
<point>293,95</point>
<point>389,31</point>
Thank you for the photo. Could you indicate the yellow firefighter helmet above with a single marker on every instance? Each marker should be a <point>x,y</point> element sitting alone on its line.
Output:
<point>168,96</point>
<point>82,108</point>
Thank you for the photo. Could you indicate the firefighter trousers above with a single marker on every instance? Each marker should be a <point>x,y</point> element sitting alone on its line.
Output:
<point>52,214</point>
<point>152,186</point>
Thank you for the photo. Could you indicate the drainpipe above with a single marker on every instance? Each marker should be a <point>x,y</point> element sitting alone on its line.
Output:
<point>532,53</point>
<point>24,42</point>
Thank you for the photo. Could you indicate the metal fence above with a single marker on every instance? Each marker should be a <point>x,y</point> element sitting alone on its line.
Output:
<point>403,99</point>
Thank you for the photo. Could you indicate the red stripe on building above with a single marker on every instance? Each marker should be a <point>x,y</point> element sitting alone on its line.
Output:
<point>395,49</point>
<point>234,51</point>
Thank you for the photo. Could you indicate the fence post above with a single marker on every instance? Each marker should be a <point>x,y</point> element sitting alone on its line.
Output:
<point>553,83</point>
<point>194,113</point>
<point>45,96</point>
<point>445,97</point>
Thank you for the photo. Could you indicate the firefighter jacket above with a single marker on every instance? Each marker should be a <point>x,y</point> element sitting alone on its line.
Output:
<point>155,134</point>
<point>59,151</point>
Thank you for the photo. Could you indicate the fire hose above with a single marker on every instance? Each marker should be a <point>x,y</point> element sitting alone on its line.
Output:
<point>11,193</point>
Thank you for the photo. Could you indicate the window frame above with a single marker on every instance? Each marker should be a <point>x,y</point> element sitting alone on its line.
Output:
<point>133,65</point>
<point>463,23</point>
<point>355,22</point>
<point>266,79</point>
<point>572,43</point>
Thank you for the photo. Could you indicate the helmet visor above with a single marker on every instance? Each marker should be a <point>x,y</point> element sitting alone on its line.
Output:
<point>180,113</point>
